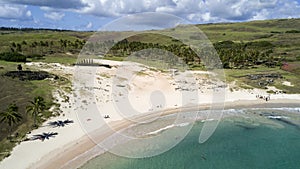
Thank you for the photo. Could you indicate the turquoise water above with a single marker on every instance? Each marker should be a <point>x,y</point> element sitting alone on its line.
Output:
<point>236,144</point>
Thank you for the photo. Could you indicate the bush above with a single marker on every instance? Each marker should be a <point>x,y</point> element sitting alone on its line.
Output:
<point>224,44</point>
<point>275,32</point>
<point>12,57</point>
<point>260,44</point>
<point>293,31</point>
<point>35,56</point>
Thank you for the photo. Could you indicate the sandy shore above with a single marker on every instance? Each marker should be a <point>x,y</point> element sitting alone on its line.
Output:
<point>86,148</point>
<point>128,93</point>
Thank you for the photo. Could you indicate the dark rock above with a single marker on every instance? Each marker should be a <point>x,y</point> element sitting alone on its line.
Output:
<point>29,75</point>
<point>260,76</point>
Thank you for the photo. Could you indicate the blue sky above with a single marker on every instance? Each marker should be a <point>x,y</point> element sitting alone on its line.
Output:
<point>93,14</point>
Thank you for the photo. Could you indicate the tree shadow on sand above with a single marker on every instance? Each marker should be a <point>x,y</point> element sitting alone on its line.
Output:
<point>60,123</point>
<point>42,136</point>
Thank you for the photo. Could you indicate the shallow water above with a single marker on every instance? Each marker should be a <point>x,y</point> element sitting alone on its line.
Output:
<point>250,140</point>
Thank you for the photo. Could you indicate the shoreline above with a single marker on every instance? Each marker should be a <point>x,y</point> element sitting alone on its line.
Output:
<point>83,150</point>
<point>71,147</point>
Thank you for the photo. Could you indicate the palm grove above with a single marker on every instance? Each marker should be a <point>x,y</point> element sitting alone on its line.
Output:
<point>11,116</point>
<point>233,55</point>
<point>35,50</point>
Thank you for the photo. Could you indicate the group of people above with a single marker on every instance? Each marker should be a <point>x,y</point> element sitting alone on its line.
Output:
<point>266,98</point>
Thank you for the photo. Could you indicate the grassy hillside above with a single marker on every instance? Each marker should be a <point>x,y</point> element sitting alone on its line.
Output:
<point>21,92</point>
<point>44,45</point>
<point>284,34</point>
<point>274,31</point>
<point>283,58</point>
<point>57,44</point>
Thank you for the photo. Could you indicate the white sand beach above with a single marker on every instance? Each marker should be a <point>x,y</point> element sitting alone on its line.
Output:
<point>124,92</point>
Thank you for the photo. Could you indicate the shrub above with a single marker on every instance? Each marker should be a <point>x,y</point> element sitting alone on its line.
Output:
<point>293,31</point>
<point>224,44</point>
<point>35,56</point>
<point>260,44</point>
<point>12,57</point>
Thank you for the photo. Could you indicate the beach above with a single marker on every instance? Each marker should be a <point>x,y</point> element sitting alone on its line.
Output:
<point>242,136</point>
<point>100,92</point>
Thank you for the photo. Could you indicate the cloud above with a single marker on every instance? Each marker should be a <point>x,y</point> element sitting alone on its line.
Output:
<point>196,10</point>
<point>115,8</point>
<point>238,9</point>
<point>89,25</point>
<point>144,21</point>
<point>56,16</point>
<point>232,10</point>
<point>60,4</point>
<point>193,10</point>
<point>15,12</point>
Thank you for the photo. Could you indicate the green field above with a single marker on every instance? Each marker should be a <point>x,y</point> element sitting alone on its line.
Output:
<point>21,93</point>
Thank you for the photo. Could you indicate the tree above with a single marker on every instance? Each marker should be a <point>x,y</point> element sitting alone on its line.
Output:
<point>11,116</point>
<point>19,67</point>
<point>19,47</point>
<point>36,107</point>
<point>14,45</point>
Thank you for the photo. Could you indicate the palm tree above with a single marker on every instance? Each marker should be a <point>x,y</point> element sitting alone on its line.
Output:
<point>19,67</point>
<point>36,107</point>
<point>11,116</point>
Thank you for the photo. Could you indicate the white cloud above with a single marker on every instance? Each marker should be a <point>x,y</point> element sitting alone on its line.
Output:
<point>198,11</point>
<point>144,21</point>
<point>202,17</point>
<point>283,9</point>
<point>15,12</point>
<point>56,16</point>
<point>60,4</point>
<point>122,7</point>
<point>28,13</point>
<point>89,25</point>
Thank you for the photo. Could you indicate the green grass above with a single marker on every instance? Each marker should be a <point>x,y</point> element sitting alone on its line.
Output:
<point>42,88</point>
<point>60,59</point>
<point>8,66</point>
<point>141,73</point>
<point>21,92</point>
<point>114,58</point>
<point>239,76</point>
<point>105,75</point>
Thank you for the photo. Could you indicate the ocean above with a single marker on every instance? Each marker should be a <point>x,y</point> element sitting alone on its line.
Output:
<point>244,139</point>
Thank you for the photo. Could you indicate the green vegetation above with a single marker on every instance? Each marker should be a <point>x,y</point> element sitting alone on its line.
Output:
<point>257,47</point>
<point>114,58</point>
<point>19,93</point>
<point>11,115</point>
<point>232,55</point>
<point>293,31</point>
<point>42,44</point>
<point>12,57</point>
<point>141,73</point>
<point>36,107</point>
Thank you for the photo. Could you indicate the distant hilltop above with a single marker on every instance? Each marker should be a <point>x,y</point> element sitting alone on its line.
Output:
<point>284,23</point>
